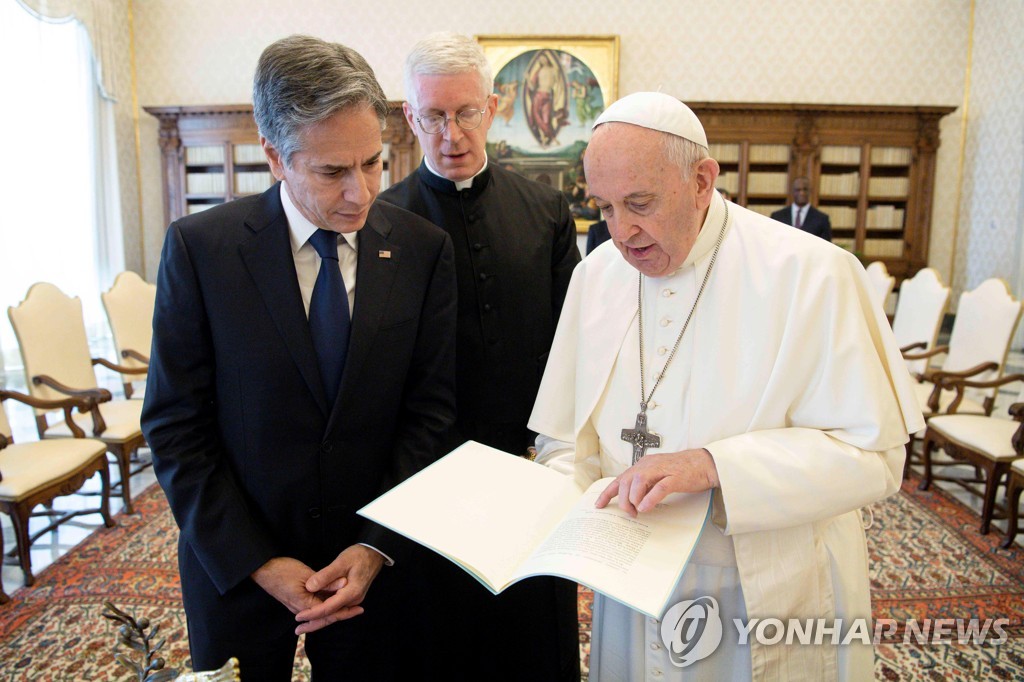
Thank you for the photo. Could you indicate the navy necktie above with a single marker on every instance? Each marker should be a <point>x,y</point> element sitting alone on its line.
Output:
<point>329,320</point>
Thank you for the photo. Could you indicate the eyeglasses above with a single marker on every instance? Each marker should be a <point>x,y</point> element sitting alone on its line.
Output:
<point>435,124</point>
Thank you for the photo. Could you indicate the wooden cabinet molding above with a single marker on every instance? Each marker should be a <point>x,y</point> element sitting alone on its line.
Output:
<point>902,189</point>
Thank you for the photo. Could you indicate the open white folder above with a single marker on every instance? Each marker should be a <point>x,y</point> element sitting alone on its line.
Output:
<point>503,518</point>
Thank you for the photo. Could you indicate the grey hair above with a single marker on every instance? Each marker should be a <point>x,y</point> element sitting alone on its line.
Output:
<point>446,54</point>
<point>301,81</point>
<point>683,153</point>
<point>680,152</point>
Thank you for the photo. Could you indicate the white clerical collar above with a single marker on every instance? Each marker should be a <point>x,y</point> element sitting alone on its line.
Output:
<point>459,184</point>
<point>300,229</point>
<point>708,235</point>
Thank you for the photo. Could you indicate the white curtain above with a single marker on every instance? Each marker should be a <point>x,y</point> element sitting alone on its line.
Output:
<point>61,220</point>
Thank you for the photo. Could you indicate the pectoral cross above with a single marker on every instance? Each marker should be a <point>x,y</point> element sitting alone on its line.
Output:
<point>640,437</point>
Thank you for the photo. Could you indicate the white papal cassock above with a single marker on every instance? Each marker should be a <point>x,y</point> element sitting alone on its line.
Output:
<point>792,380</point>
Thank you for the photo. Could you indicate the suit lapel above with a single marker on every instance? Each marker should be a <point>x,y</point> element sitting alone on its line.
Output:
<point>268,257</point>
<point>377,264</point>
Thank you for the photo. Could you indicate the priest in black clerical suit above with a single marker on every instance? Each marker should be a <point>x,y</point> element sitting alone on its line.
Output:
<point>515,250</point>
<point>802,215</point>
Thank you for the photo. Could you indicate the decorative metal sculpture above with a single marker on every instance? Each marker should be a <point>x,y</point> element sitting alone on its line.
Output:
<point>148,667</point>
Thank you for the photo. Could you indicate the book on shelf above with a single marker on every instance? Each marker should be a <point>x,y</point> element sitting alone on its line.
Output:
<point>885,217</point>
<point>729,181</point>
<point>891,156</point>
<point>249,153</point>
<point>204,183</point>
<point>503,519</point>
<point>724,152</point>
<point>252,182</point>
<point>891,248</point>
<point>767,183</point>
<point>840,155</point>
<point>769,153</point>
<point>841,216</point>
<point>888,187</point>
<point>206,155</point>
<point>839,184</point>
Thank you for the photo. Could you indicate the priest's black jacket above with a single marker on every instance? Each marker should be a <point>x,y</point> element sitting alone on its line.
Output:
<point>515,250</point>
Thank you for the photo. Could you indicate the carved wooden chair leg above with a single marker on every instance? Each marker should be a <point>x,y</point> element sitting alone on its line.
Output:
<point>3,595</point>
<point>124,466</point>
<point>19,521</point>
<point>926,457</point>
<point>108,520</point>
<point>1012,510</point>
<point>906,462</point>
<point>989,503</point>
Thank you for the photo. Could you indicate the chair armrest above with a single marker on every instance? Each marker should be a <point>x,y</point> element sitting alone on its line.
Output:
<point>952,381</point>
<point>911,346</point>
<point>83,403</point>
<point>1017,411</point>
<point>99,395</point>
<point>939,377</point>
<point>120,369</point>
<point>938,350</point>
<point>134,355</point>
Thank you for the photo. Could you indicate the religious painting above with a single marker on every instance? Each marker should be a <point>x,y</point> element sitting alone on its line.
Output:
<point>550,91</point>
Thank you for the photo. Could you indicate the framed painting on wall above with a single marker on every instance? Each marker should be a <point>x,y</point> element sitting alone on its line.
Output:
<point>550,90</point>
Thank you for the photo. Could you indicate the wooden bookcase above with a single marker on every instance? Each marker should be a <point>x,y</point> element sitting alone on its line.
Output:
<point>211,154</point>
<point>872,169</point>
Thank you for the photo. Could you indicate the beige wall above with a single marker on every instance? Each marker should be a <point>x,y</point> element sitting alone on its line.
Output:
<point>830,51</point>
<point>992,204</point>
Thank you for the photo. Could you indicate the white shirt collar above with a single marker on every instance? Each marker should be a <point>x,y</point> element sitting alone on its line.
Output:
<point>459,184</point>
<point>300,229</point>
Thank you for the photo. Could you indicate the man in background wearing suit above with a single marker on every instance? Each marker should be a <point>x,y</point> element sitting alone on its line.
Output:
<point>515,249</point>
<point>802,215</point>
<point>274,413</point>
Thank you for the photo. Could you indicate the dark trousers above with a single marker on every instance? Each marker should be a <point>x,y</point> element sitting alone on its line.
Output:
<point>528,633</point>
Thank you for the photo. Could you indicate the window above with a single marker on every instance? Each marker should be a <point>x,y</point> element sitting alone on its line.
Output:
<point>54,123</point>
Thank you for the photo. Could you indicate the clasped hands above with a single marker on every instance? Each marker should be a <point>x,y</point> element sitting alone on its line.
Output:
<point>322,597</point>
<point>646,483</point>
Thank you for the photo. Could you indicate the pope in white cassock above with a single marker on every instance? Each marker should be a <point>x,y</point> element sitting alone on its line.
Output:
<point>755,355</point>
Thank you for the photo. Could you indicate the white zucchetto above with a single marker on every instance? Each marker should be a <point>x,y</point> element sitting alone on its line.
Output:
<point>657,111</point>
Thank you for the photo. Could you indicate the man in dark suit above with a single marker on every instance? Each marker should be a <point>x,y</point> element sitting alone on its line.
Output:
<point>270,431</point>
<point>802,215</point>
<point>515,249</point>
<point>597,234</point>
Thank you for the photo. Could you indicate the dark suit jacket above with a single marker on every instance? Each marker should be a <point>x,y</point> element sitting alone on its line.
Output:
<point>597,234</point>
<point>816,222</point>
<point>254,461</point>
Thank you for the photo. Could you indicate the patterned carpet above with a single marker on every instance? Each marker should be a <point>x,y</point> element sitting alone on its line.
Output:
<point>927,561</point>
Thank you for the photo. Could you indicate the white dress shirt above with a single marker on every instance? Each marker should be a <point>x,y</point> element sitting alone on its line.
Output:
<point>307,261</point>
<point>801,211</point>
<point>307,267</point>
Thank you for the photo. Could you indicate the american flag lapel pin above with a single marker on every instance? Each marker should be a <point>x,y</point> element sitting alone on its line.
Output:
<point>383,253</point>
